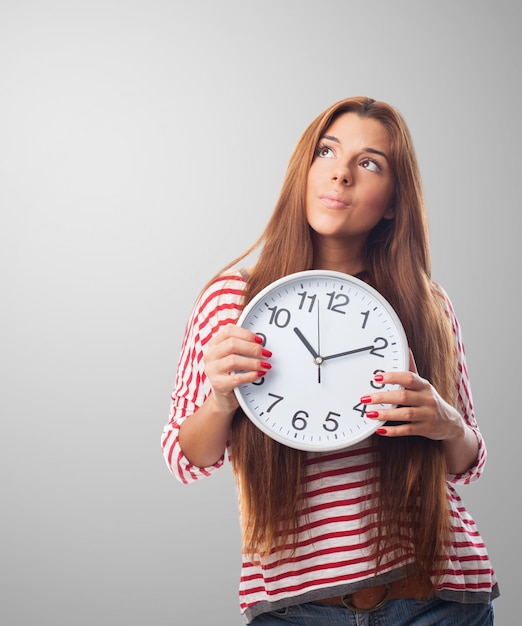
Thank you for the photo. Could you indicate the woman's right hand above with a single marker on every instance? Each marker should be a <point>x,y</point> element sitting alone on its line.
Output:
<point>234,357</point>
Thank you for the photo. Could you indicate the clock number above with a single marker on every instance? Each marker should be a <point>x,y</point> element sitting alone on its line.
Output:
<point>377,385</point>
<point>342,298</point>
<point>330,424</point>
<point>365,314</point>
<point>304,295</point>
<point>383,345</point>
<point>279,317</point>
<point>279,398</point>
<point>298,421</point>
<point>361,408</point>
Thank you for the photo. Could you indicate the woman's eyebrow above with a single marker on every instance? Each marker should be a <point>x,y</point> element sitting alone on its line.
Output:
<point>374,151</point>
<point>331,138</point>
<point>371,150</point>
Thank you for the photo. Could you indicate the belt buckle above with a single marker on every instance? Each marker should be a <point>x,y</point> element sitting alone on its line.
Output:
<point>346,601</point>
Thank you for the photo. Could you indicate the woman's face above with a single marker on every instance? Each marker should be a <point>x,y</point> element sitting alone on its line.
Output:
<point>350,184</point>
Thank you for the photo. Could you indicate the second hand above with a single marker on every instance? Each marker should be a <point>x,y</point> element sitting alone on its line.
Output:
<point>318,344</point>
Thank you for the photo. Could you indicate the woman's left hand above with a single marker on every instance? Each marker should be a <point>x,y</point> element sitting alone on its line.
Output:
<point>420,409</point>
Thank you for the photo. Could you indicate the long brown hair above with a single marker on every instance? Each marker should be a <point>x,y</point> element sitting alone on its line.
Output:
<point>398,265</point>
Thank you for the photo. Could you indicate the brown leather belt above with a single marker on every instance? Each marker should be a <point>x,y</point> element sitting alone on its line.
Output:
<point>373,598</point>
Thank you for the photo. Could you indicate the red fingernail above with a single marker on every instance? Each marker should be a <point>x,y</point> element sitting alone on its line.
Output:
<point>366,399</point>
<point>381,431</point>
<point>266,352</point>
<point>265,365</point>
<point>372,413</point>
<point>258,339</point>
<point>261,374</point>
<point>378,378</point>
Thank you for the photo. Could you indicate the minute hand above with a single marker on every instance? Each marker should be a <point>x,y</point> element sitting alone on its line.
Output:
<point>334,356</point>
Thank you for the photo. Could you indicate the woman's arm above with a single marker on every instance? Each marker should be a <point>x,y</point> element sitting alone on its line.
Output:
<point>219,305</point>
<point>426,414</point>
<point>431,416</point>
<point>461,450</point>
<point>203,437</point>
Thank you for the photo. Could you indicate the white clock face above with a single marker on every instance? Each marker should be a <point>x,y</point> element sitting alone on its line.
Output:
<point>329,333</point>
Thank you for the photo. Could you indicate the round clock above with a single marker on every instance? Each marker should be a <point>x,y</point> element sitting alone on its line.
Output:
<point>329,334</point>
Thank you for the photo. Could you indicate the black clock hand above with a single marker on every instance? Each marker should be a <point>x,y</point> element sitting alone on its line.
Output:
<point>309,347</point>
<point>334,356</point>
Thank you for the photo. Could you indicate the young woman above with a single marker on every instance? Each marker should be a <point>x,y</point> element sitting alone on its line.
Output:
<point>374,533</point>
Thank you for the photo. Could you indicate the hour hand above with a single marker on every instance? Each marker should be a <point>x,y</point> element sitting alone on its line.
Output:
<point>347,352</point>
<point>307,344</point>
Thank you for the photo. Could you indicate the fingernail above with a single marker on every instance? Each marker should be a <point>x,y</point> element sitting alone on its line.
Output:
<point>266,352</point>
<point>366,399</point>
<point>378,378</point>
<point>258,339</point>
<point>372,413</point>
<point>381,431</point>
<point>261,374</point>
<point>265,365</point>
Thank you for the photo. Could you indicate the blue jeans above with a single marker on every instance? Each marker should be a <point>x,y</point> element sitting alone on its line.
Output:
<point>432,612</point>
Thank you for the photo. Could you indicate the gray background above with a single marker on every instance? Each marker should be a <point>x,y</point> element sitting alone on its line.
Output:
<point>142,146</point>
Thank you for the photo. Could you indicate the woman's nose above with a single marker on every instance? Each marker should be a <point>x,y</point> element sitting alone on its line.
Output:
<point>342,175</point>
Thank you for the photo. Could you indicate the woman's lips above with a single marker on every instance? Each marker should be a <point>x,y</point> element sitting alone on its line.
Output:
<point>333,201</point>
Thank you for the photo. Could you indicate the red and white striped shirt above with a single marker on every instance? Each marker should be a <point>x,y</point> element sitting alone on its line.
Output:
<point>332,554</point>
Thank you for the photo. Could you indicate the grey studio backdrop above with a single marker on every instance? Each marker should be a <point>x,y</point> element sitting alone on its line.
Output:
<point>142,146</point>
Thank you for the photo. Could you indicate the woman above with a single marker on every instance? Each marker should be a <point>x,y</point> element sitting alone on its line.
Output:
<point>375,533</point>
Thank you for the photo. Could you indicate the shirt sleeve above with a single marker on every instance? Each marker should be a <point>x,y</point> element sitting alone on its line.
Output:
<point>220,304</point>
<point>464,397</point>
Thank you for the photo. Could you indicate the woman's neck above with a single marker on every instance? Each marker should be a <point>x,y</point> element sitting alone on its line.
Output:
<point>340,259</point>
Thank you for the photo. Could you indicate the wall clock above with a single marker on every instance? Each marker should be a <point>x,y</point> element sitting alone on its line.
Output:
<point>329,334</point>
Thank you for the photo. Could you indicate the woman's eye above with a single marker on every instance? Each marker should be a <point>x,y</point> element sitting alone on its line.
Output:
<point>371,165</point>
<point>324,152</point>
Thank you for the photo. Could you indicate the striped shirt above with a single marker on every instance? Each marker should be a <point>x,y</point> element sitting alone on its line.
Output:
<point>332,553</point>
